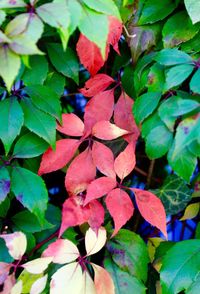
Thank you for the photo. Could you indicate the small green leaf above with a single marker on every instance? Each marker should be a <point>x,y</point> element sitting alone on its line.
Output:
<point>180,266</point>
<point>145,105</point>
<point>194,83</point>
<point>193,45</point>
<point>29,146</point>
<point>30,190</point>
<point>193,8</point>
<point>174,194</point>
<point>56,82</point>
<point>177,74</point>
<point>173,56</point>
<point>11,4</point>
<point>103,6</point>
<point>75,12</point>
<point>65,62</point>
<point>4,207</point>
<point>4,183</point>
<point>2,16</point>
<point>12,117</point>
<point>156,78</point>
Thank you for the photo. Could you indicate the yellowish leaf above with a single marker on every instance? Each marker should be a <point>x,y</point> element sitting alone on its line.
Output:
<point>191,211</point>
<point>94,241</point>
<point>37,266</point>
<point>152,244</point>
<point>16,244</point>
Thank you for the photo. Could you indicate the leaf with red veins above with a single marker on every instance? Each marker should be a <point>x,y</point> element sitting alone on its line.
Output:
<point>62,250</point>
<point>4,271</point>
<point>120,207</point>
<point>98,188</point>
<point>125,161</point>
<point>53,160</point>
<point>99,108</point>
<point>80,173</point>
<point>115,32</point>
<point>96,218</point>
<point>89,55</point>
<point>151,208</point>
<point>123,117</point>
<point>72,125</point>
<point>73,213</point>
<point>103,159</point>
<point>102,280</point>
<point>96,84</point>
<point>107,131</point>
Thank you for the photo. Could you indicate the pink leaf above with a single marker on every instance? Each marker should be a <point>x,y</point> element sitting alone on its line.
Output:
<point>103,159</point>
<point>115,31</point>
<point>100,107</point>
<point>96,84</point>
<point>72,125</point>
<point>98,188</point>
<point>107,131</point>
<point>89,55</point>
<point>125,161</point>
<point>102,280</point>
<point>151,208</point>
<point>120,207</point>
<point>53,160</point>
<point>8,284</point>
<point>4,271</point>
<point>94,241</point>
<point>96,214</point>
<point>80,173</point>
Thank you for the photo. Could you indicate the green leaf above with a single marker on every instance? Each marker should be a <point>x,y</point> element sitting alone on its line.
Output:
<point>193,8</point>
<point>173,56</point>
<point>122,247</point>
<point>194,287</point>
<point>56,82</point>
<point>12,118</point>
<point>193,45</point>
<point>4,183</point>
<point>145,105</point>
<point>194,83</point>
<point>128,80</point>
<point>123,281</point>
<point>2,16</point>
<point>28,279</point>
<point>95,27</point>
<point>177,74</point>
<point>39,122</point>
<point>4,255</point>
<point>65,62</point>
<point>154,10</point>
<point>37,71</point>
<point>156,78</point>
<point>174,194</point>
<point>24,45</point>
<point>175,33</point>
<point>180,266</point>
<point>11,4</point>
<point>30,190</point>
<point>4,207</point>
<point>45,99</point>
<point>194,148</point>
<point>9,65</point>
<point>75,12</point>
<point>28,146</point>
<point>103,6</point>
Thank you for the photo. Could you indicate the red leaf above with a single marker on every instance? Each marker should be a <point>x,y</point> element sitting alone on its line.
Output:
<point>100,107</point>
<point>89,55</point>
<point>115,31</point>
<point>151,208</point>
<point>96,218</point>
<point>125,161</point>
<point>53,160</point>
<point>80,173</point>
<point>123,116</point>
<point>103,159</point>
<point>72,125</point>
<point>99,188</point>
<point>120,207</point>
<point>106,131</point>
<point>73,213</point>
<point>102,280</point>
<point>96,85</point>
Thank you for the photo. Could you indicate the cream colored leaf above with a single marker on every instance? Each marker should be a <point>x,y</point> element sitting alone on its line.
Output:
<point>94,241</point>
<point>16,244</point>
<point>102,280</point>
<point>17,288</point>
<point>88,284</point>
<point>37,266</point>
<point>39,285</point>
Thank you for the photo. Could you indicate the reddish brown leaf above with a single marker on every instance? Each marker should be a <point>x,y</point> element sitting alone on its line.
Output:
<point>103,159</point>
<point>107,131</point>
<point>125,161</point>
<point>99,188</point>
<point>53,160</point>
<point>72,125</point>
<point>96,218</point>
<point>151,208</point>
<point>115,31</point>
<point>80,173</point>
<point>96,84</point>
<point>89,55</point>
<point>120,207</point>
<point>100,107</point>
<point>102,280</point>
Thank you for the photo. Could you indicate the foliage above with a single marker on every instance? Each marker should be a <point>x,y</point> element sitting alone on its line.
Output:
<point>137,66</point>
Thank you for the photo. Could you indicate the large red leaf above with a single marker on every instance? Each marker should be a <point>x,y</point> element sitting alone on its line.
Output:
<point>72,125</point>
<point>115,31</point>
<point>103,159</point>
<point>125,161</point>
<point>96,218</point>
<point>120,207</point>
<point>98,188</point>
<point>80,173</point>
<point>151,208</point>
<point>53,160</point>
<point>100,107</point>
<point>96,84</point>
<point>102,280</point>
<point>89,55</point>
<point>107,131</point>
